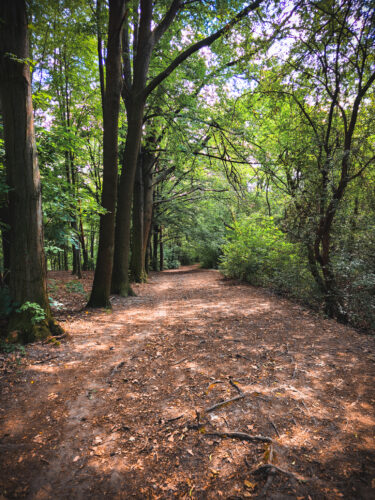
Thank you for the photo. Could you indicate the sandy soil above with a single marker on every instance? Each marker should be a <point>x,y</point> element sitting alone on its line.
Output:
<point>123,408</point>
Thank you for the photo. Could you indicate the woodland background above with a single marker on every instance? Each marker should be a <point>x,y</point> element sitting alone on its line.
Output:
<point>243,133</point>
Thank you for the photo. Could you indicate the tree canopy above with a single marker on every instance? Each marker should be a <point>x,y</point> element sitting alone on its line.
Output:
<point>235,134</point>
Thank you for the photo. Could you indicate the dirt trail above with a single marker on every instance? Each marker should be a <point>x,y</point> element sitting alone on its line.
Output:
<point>118,411</point>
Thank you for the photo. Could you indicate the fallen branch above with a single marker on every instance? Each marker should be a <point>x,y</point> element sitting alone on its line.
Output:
<point>224,403</point>
<point>243,436</point>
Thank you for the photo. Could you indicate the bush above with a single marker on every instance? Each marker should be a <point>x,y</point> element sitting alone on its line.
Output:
<point>357,286</point>
<point>170,259</point>
<point>260,253</point>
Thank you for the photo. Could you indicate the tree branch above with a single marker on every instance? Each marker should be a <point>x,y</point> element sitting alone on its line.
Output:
<point>206,42</point>
<point>167,20</point>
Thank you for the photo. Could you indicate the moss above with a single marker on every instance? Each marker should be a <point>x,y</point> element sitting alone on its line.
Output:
<point>21,329</point>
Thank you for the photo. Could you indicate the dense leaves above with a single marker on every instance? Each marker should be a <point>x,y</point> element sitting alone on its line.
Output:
<point>256,151</point>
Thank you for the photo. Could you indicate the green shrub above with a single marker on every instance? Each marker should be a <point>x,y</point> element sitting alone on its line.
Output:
<point>170,258</point>
<point>75,286</point>
<point>258,252</point>
<point>35,311</point>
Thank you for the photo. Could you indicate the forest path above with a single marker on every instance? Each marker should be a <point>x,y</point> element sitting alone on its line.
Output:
<point>113,412</point>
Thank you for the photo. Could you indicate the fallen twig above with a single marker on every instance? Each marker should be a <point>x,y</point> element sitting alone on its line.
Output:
<point>304,405</point>
<point>116,369</point>
<point>240,435</point>
<point>179,361</point>
<point>224,403</point>
<point>233,384</point>
<point>52,338</point>
<point>272,469</point>
<point>173,419</point>
<point>44,360</point>
<point>275,428</point>
<point>295,371</point>
<point>242,356</point>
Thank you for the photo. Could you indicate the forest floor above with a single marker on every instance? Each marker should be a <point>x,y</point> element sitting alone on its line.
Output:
<point>125,407</point>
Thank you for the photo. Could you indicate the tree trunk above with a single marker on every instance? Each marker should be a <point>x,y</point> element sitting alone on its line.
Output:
<point>85,255</point>
<point>92,242</point>
<point>137,267</point>
<point>148,255</point>
<point>161,249</point>
<point>155,248</point>
<point>102,280</point>
<point>27,261</point>
<point>147,167</point>
<point>5,239</point>
<point>333,301</point>
<point>120,273</point>
<point>66,265</point>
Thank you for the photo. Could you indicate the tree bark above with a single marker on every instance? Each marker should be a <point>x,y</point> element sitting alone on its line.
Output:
<point>161,249</point>
<point>137,268</point>
<point>148,187</point>
<point>142,215</point>
<point>27,261</point>
<point>120,273</point>
<point>155,248</point>
<point>102,279</point>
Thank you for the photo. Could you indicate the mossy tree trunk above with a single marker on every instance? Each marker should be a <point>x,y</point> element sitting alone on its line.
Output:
<point>27,262</point>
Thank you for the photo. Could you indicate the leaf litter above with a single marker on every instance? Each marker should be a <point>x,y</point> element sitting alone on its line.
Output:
<point>198,387</point>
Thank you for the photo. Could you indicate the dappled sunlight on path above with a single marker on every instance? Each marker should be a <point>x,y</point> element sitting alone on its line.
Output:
<point>123,410</point>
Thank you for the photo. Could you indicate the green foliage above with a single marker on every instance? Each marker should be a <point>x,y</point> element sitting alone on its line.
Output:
<point>52,286</point>
<point>55,303</point>
<point>258,252</point>
<point>9,347</point>
<point>35,311</point>
<point>75,286</point>
<point>170,259</point>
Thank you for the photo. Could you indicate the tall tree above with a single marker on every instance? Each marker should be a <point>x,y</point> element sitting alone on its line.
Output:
<point>111,105</point>
<point>27,261</point>
<point>136,90</point>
